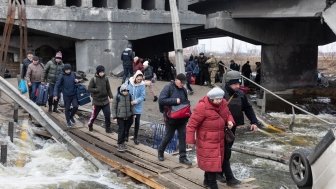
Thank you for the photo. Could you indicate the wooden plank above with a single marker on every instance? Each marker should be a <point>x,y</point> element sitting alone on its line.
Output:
<point>131,170</point>
<point>143,148</point>
<point>196,176</point>
<point>128,157</point>
<point>147,156</point>
<point>180,181</point>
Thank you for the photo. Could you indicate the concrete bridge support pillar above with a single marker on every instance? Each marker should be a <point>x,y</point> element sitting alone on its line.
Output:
<point>288,66</point>
<point>136,4</point>
<point>86,3</point>
<point>112,4</point>
<point>91,53</point>
<point>182,5</point>
<point>159,4</point>
<point>31,2</point>
<point>60,3</point>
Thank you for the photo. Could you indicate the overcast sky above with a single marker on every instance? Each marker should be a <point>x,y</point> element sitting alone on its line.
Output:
<point>223,44</point>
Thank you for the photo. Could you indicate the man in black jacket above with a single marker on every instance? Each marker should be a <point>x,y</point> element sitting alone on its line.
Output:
<point>171,95</point>
<point>238,103</point>
<point>127,57</point>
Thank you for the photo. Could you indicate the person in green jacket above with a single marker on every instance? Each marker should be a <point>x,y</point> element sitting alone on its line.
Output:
<point>52,70</point>
<point>99,87</point>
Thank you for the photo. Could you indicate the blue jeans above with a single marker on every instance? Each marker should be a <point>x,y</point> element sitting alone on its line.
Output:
<point>34,87</point>
<point>128,72</point>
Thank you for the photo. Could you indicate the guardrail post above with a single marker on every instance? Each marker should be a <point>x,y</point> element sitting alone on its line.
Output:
<point>3,158</point>
<point>263,104</point>
<point>16,112</point>
<point>11,131</point>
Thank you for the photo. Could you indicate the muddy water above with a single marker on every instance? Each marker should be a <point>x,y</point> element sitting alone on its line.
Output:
<point>307,133</point>
<point>34,163</point>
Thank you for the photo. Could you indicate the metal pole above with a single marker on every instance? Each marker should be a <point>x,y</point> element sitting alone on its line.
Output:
<point>177,37</point>
<point>16,112</point>
<point>3,159</point>
<point>263,104</point>
<point>11,131</point>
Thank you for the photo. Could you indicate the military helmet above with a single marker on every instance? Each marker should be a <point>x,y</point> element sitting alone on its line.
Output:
<point>233,77</point>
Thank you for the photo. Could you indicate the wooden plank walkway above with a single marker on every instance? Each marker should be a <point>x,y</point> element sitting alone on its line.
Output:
<point>139,161</point>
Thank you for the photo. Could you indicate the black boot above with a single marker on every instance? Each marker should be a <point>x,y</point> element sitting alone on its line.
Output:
<point>50,103</point>
<point>160,155</point>
<point>108,130</point>
<point>55,104</point>
<point>136,142</point>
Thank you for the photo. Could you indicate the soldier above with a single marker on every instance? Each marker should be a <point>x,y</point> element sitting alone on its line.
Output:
<point>213,69</point>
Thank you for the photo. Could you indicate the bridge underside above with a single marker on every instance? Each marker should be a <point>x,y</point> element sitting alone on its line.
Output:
<point>289,32</point>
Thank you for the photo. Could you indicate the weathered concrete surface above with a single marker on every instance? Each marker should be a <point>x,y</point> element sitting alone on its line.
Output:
<point>273,31</point>
<point>99,34</point>
<point>330,17</point>
<point>260,8</point>
<point>286,67</point>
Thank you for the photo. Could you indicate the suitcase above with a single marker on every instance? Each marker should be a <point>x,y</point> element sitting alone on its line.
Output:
<point>42,95</point>
<point>83,95</point>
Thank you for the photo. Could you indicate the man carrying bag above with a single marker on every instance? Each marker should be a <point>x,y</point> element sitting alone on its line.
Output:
<point>174,94</point>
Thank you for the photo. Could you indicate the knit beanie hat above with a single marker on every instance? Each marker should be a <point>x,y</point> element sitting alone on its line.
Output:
<point>67,67</point>
<point>233,81</point>
<point>216,92</point>
<point>100,68</point>
<point>123,87</point>
<point>58,55</point>
<point>145,64</point>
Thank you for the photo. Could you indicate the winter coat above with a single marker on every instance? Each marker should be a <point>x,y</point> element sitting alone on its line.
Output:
<point>137,66</point>
<point>127,57</point>
<point>65,83</point>
<point>52,70</point>
<point>138,92</point>
<point>246,70</point>
<point>34,73</point>
<point>25,64</point>
<point>148,73</point>
<point>239,104</point>
<point>168,97</point>
<point>121,106</point>
<point>208,121</point>
<point>100,90</point>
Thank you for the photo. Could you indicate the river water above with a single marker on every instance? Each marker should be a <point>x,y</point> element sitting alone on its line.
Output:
<point>34,163</point>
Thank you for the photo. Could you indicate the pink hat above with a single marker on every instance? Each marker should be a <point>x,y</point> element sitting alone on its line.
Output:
<point>59,55</point>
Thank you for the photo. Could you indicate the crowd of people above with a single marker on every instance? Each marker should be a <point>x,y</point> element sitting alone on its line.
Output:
<point>220,108</point>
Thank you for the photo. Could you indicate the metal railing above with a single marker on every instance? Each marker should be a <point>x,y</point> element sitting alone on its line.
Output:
<point>284,100</point>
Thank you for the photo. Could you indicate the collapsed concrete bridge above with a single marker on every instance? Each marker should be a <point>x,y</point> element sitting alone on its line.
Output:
<point>92,32</point>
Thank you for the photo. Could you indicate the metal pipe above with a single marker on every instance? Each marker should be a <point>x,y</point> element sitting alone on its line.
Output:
<point>3,159</point>
<point>11,131</point>
<point>16,112</point>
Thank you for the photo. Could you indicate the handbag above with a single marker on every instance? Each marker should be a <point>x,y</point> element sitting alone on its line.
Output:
<point>229,136</point>
<point>179,112</point>
<point>23,86</point>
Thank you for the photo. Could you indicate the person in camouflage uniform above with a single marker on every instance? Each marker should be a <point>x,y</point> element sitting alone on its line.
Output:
<point>213,69</point>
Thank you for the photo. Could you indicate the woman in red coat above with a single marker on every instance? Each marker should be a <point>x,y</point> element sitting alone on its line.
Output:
<point>209,117</point>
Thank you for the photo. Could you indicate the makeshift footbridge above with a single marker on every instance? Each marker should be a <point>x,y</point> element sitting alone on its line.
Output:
<point>139,161</point>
